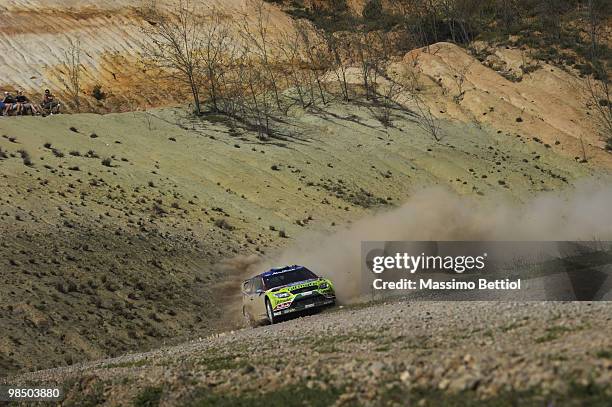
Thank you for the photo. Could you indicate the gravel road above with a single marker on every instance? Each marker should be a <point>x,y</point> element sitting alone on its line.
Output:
<point>394,353</point>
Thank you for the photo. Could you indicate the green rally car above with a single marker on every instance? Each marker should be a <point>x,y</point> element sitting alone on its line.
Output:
<point>282,291</point>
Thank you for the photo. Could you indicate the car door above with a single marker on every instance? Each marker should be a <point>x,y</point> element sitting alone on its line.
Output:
<point>248,297</point>
<point>259,298</point>
<point>245,295</point>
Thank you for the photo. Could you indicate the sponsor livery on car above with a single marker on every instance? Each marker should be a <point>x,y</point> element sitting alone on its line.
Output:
<point>282,291</point>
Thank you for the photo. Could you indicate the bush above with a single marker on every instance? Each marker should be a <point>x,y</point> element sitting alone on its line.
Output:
<point>97,93</point>
<point>373,10</point>
<point>25,156</point>
<point>223,224</point>
<point>57,153</point>
<point>149,397</point>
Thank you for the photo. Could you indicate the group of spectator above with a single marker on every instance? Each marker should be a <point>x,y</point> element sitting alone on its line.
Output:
<point>19,104</point>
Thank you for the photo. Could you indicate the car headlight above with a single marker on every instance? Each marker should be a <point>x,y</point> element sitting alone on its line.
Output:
<point>323,286</point>
<point>282,295</point>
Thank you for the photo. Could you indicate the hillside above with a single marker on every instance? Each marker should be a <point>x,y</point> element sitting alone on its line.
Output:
<point>114,225</point>
<point>126,234</point>
<point>36,34</point>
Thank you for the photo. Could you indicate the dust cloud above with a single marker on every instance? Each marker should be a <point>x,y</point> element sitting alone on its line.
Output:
<point>582,213</point>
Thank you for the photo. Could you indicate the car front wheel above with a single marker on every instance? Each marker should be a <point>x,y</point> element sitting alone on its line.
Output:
<point>270,313</point>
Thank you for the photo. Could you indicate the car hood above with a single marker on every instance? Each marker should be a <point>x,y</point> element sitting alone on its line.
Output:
<point>299,284</point>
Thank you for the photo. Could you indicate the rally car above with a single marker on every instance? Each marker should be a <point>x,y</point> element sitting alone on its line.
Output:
<point>282,291</point>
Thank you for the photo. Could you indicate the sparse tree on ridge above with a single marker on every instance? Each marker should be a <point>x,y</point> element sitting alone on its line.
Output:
<point>175,44</point>
<point>261,47</point>
<point>72,80</point>
<point>217,55</point>
<point>316,55</point>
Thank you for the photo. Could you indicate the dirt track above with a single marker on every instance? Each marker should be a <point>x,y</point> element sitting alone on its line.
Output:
<point>422,352</point>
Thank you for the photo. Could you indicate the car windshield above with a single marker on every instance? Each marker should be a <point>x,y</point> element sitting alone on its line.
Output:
<point>288,277</point>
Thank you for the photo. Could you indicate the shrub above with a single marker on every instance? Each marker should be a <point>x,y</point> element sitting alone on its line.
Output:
<point>373,10</point>
<point>57,153</point>
<point>149,397</point>
<point>107,162</point>
<point>97,93</point>
<point>25,156</point>
<point>223,224</point>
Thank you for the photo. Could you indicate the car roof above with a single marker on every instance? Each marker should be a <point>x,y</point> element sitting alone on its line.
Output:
<point>277,270</point>
<point>280,270</point>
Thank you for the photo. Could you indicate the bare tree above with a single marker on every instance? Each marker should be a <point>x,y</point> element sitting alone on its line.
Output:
<point>317,57</point>
<point>420,20</point>
<point>424,117</point>
<point>387,95</point>
<point>72,56</point>
<point>340,53</point>
<point>176,44</point>
<point>232,83</point>
<point>372,51</point>
<point>291,48</point>
<point>598,93</point>
<point>217,54</point>
<point>260,41</point>
<point>596,12</point>
<point>257,105</point>
<point>459,77</point>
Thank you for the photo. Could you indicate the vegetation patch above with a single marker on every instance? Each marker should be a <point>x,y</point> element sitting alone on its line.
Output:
<point>552,333</point>
<point>577,395</point>
<point>298,394</point>
<point>132,363</point>
<point>149,397</point>
<point>223,362</point>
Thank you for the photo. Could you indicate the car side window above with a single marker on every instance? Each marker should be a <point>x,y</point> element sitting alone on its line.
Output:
<point>257,284</point>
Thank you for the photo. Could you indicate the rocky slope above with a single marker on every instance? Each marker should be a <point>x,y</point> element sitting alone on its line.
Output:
<point>422,353</point>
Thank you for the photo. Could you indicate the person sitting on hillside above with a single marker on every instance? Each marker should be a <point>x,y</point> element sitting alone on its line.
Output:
<point>23,104</point>
<point>10,104</point>
<point>49,103</point>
